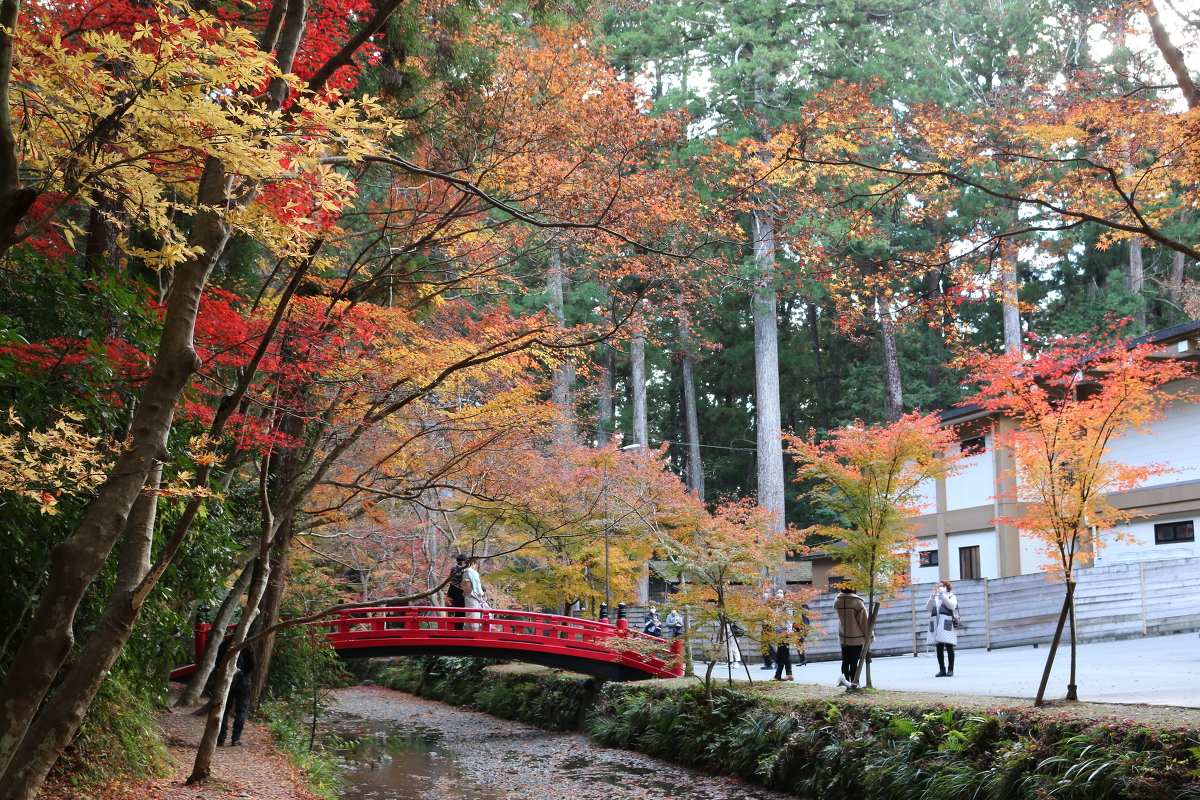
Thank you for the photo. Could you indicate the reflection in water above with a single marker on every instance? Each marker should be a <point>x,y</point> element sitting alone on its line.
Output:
<point>452,754</point>
<point>385,761</point>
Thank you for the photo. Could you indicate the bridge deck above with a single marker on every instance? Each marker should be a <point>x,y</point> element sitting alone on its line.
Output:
<point>595,648</point>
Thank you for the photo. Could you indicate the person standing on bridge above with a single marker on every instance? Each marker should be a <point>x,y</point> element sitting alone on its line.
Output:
<point>454,590</point>
<point>472,588</point>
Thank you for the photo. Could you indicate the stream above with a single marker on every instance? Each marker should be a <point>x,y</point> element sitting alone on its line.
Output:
<point>399,747</point>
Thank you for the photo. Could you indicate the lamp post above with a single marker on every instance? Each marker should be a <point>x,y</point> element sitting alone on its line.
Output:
<point>607,591</point>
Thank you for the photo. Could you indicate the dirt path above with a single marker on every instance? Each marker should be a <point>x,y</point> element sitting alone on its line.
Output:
<point>253,771</point>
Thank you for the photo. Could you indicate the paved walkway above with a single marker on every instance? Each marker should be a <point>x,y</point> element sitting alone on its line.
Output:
<point>1161,670</point>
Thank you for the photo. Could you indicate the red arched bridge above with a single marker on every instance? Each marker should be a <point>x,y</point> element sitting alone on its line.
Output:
<point>604,649</point>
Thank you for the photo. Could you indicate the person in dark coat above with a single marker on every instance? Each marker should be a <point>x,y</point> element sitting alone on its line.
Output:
<point>239,694</point>
<point>454,590</point>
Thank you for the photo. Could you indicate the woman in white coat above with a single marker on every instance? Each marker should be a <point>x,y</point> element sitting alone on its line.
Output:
<point>941,607</point>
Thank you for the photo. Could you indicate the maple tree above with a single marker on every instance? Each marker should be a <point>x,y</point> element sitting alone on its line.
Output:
<point>1071,399</point>
<point>720,560</point>
<point>874,479</point>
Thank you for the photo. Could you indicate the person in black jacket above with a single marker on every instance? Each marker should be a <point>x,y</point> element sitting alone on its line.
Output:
<point>454,590</point>
<point>239,694</point>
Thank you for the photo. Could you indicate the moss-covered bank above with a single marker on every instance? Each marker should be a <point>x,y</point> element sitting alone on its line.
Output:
<point>552,700</point>
<point>835,750</point>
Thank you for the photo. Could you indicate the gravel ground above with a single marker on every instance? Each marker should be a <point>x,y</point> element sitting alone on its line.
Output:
<point>493,758</point>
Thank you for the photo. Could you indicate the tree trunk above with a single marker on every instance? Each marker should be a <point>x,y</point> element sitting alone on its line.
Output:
<point>202,767</point>
<point>76,560</point>
<point>1137,278</point>
<point>1062,619</point>
<point>102,234</point>
<point>866,651</point>
<point>604,397</point>
<point>893,395</point>
<point>695,467</point>
<point>818,363</point>
<point>1172,55</point>
<point>285,469</point>
<point>564,374</point>
<point>1012,309</point>
<point>1175,288</point>
<point>60,718</point>
<point>766,370</point>
<point>208,659</point>
<point>637,361</point>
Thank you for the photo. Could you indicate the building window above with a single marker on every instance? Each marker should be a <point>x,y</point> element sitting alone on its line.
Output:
<point>968,563</point>
<point>927,558</point>
<point>973,447</point>
<point>1172,532</point>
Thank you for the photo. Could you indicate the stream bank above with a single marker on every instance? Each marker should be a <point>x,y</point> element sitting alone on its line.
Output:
<point>859,747</point>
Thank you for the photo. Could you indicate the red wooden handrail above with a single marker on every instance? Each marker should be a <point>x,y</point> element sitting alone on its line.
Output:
<point>512,632</point>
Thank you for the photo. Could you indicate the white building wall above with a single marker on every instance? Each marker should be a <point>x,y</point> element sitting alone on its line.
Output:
<point>926,497</point>
<point>974,484</point>
<point>923,574</point>
<point>1174,440</point>
<point>989,560</point>
<point>1144,548</point>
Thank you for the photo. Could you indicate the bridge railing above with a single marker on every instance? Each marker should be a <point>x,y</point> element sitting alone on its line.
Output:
<point>505,628</point>
<point>527,630</point>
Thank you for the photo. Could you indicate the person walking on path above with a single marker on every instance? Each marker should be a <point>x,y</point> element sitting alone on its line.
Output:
<point>239,694</point>
<point>852,633</point>
<point>783,650</point>
<point>942,607</point>
<point>472,593</point>
<point>770,653</point>
<point>454,590</point>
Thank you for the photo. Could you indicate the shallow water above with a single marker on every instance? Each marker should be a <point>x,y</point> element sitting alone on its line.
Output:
<point>388,761</point>
<point>398,747</point>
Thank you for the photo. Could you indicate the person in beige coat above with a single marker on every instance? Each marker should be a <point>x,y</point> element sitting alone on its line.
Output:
<point>852,633</point>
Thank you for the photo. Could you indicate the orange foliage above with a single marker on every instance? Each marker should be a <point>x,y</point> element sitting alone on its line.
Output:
<point>1072,400</point>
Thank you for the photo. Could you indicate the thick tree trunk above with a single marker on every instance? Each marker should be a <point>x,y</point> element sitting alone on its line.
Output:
<point>1172,55</point>
<point>285,472</point>
<point>1012,309</point>
<point>766,369</point>
<point>637,362</point>
<point>60,718</point>
<point>695,468</point>
<point>893,395</point>
<point>1137,279</point>
<point>103,230</point>
<point>814,336</point>
<point>208,659</point>
<point>76,560</point>
<point>604,396</point>
<point>1175,288</point>
<point>564,374</point>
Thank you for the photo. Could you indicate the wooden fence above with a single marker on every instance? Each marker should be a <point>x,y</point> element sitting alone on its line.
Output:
<point>1122,601</point>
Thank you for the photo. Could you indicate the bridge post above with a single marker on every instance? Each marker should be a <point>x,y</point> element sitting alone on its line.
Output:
<point>604,612</point>
<point>343,622</point>
<point>622,623</point>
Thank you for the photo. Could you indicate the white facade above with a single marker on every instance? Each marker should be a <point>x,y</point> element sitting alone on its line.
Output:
<point>1161,509</point>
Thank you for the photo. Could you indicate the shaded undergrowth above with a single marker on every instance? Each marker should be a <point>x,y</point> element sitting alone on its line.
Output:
<point>835,750</point>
